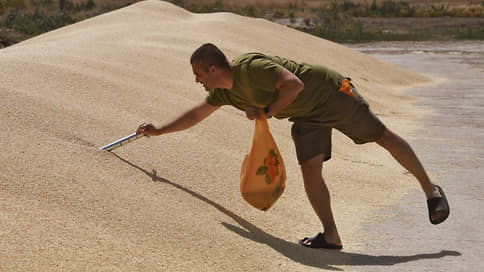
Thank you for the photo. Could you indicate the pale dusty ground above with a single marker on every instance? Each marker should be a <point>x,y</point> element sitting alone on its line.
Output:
<point>170,203</point>
<point>322,3</point>
<point>405,25</point>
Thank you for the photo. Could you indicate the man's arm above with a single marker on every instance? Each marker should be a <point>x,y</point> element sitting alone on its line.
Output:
<point>184,121</point>
<point>289,86</point>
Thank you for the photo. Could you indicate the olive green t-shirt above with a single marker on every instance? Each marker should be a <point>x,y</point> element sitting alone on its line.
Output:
<point>255,79</point>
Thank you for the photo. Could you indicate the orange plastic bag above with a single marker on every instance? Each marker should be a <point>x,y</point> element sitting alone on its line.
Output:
<point>263,175</point>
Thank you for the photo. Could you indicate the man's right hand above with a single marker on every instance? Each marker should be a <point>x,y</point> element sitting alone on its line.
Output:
<point>147,129</point>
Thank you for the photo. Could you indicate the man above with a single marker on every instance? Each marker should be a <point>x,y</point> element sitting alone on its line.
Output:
<point>310,96</point>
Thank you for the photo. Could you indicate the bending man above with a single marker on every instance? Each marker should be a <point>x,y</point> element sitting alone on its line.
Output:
<point>316,99</point>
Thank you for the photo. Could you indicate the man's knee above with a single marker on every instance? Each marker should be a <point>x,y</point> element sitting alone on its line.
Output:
<point>312,165</point>
<point>386,137</point>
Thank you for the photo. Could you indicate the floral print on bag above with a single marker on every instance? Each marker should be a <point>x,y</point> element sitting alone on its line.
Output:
<point>270,168</point>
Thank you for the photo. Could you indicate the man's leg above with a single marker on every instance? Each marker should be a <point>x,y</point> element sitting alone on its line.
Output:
<point>403,153</point>
<point>319,197</point>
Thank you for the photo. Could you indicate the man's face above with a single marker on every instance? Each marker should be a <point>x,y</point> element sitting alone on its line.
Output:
<point>204,77</point>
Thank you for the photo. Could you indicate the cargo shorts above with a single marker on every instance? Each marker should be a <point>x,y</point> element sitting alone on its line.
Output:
<point>350,115</point>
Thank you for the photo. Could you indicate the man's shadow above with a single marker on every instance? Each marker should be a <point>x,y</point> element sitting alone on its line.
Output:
<point>325,259</point>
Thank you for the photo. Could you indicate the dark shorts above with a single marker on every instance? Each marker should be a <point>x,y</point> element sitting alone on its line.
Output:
<point>351,116</point>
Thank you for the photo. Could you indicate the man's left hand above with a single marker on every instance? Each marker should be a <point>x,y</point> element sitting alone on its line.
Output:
<point>253,113</point>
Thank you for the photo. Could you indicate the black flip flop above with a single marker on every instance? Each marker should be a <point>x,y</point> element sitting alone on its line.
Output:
<point>438,205</point>
<point>318,241</point>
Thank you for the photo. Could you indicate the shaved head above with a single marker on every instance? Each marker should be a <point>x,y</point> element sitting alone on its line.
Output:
<point>209,55</point>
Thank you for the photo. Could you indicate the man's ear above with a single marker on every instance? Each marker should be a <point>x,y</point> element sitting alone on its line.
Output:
<point>212,69</point>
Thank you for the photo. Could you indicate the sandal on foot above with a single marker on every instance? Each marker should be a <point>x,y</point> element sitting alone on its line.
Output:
<point>438,205</point>
<point>318,241</point>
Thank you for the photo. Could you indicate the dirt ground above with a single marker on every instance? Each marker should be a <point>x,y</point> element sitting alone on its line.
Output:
<point>318,3</point>
<point>404,25</point>
<point>9,37</point>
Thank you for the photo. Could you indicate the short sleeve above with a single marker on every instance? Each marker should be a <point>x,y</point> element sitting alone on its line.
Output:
<point>217,97</point>
<point>264,73</point>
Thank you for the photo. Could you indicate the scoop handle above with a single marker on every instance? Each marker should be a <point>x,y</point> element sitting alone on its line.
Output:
<point>122,141</point>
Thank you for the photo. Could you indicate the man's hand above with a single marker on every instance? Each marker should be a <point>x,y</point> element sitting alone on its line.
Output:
<point>253,113</point>
<point>147,129</point>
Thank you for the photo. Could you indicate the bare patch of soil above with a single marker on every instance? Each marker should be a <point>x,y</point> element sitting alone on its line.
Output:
<point>9,37</point>
<point>404,25</point>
